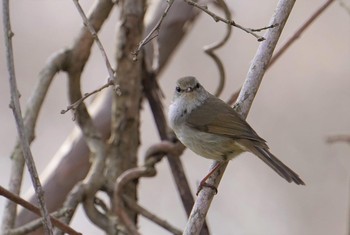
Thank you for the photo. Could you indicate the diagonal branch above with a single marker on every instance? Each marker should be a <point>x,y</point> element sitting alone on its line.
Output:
<point>97,40</point>
<point>242,106</point>
<point>36,210</point>
<point>230,21</point>
<point>155,30</point>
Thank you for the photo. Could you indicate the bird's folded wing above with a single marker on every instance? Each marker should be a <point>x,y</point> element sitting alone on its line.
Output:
<point>219,118</point>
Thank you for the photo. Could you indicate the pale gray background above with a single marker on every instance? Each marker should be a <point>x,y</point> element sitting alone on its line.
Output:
<point>303,99</point>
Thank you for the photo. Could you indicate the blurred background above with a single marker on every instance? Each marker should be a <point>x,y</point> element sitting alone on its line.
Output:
<point>303,99</point>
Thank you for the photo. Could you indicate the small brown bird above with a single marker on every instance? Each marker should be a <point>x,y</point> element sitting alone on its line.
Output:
<point>212,129</point>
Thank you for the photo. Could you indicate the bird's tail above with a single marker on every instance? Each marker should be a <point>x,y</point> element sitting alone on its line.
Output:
<point>277,165</point>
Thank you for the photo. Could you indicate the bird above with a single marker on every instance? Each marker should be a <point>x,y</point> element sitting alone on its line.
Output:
<point>212,129</point>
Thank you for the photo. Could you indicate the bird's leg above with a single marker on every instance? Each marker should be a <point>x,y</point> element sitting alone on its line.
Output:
<point>203,182</point>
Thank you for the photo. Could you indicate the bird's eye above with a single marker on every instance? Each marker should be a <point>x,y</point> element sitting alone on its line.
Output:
<point>197,85</point>
<point>178,89</point>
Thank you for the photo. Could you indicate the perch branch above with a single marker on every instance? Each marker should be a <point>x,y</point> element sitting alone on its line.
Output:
<point>242,106</point>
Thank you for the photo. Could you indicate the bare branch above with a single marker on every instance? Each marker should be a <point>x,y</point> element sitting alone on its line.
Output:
<point>53,65</point>
<point>175,27</point>
<point>125,132</point>
<point>75,105</point>
<point>97,40</point>
<point>16,108</point>
<point>230,21</point>
<point>154,32</point>
<point>35,210</point>
<point>92,136</point>
<point>242,106</point>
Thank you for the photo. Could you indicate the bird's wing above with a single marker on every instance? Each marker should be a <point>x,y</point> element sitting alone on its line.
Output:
<point>216,117</point>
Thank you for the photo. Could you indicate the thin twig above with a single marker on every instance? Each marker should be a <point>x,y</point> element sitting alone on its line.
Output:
<point>289,42</point>
<point>35,210</point>
<point>76,104</point>
<point>229,21</point>
<point>111,72</point>
<point>264,28</point>
<point>152,217</point>
<point>16,108</point>
<point>154,32</point>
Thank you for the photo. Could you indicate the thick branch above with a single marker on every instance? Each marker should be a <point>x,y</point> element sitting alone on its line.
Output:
<point>125,126</point>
